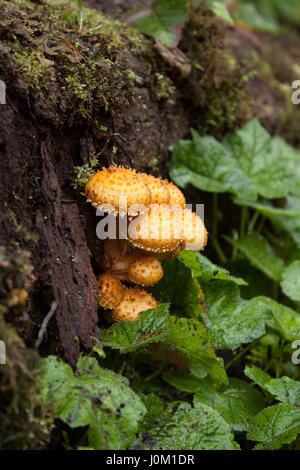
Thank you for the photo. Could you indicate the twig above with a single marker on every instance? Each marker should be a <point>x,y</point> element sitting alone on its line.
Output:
<point>45,324</point>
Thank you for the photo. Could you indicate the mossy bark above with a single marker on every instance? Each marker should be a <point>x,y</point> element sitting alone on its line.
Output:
<point>105,95</point>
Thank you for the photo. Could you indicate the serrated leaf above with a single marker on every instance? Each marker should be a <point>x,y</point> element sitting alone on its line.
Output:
<point>290,283</point>
<point>284,319</point>
<point>180,289</point>
<point>204,269</point>
<point>284,389</point>
<point>233,321</point>
<point>192,339</point>
<point>258,251</point>
<point>246,164</point>
<point>208,165</point>
<point>187,428</point>
<point>95,397</point>
<point>275,426</point>
<point>237,403</point>
<point>151,327</point>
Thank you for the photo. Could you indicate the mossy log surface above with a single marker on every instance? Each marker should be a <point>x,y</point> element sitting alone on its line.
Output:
<point>100,96</point>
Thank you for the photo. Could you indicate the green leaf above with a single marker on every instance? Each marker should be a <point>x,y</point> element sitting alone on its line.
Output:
<point>237,403</point>
<point>183,381</point>
<point>208,165</point>
<point>275,426</point>
<point>198,428</point>
<point>267,209</point>
<point>94,397</point>
<point>284,319</point>
<point>180,289</point>
<point>232,320</point>
<point>203,268</point>
<point>284,389</point>
<point>290,283</point>
<point>192,339</point>
<point>246,164</point>
<point>290,224</point>
<point>151,327</point>
<point>161,20</point>
<point>262,158</point>
<point>249,14</point>
<point>219,8</point>
<point>256,248</point>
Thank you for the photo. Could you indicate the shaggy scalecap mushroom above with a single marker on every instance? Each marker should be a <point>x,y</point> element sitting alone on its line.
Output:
<point>160,230</point>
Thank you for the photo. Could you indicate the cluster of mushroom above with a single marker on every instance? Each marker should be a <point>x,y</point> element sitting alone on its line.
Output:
<point>159,226</point>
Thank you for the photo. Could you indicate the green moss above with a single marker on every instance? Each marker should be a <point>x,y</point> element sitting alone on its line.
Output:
<point>216,87</point>
<point>70,75</point>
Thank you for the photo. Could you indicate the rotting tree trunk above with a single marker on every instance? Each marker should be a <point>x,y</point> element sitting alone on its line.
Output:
<point>106,93</point>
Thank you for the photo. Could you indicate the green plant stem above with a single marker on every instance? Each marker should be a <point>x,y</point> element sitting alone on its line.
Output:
<point>240,354</point>
<point>156,372</point>
<point>253,222</point>
<point>244,216</point>
<point>215,230</point>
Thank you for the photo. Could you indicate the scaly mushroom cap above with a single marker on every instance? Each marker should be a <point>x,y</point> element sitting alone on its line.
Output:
<point>146,271</point>
<point>134,301</point>
<point>158,188</point>
<point>194,233</point>
<point>112,187</point>
<point>110,290</point>
<point>176,196</point>
<point>156,230</point>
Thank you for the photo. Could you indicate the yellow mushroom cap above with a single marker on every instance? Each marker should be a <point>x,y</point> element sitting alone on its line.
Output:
<point>146,271</point>
<point>117,189</point>
<point>158,188</point>
<point>176,196</point>
<point>194,233</point>
<point>110,290</point>
<point>134,301</point>
<point>156,230</point>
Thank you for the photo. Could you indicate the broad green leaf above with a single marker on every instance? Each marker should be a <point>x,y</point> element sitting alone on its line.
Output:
<point>180,289</point>
<point>290,283</point>
<point>262,158</point>
<point>93,397</point>
<point>151,327</point>
<point>284,389</point>
<point>246,164</point>
<point>290,224</point>
<point>183,381</point>
<point>208,165</point>
<point>192,339</point>
<point>258,282</point>
<point>267,209</point>
<point>219,8</point>
<point>161,20</point>
<point>237,403</point>
<point>233,321</point>
<point>256,248</point>
<point>203,268</point>
<point>275,426</point>
<point>284,319</point>
<point>187,428</point>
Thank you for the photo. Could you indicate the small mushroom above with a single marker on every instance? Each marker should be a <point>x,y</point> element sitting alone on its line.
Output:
<point>146,271</point>
<point>114,187</point>
<point>156,230</point>
<point>110,290</point>
<point>133,303</point>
